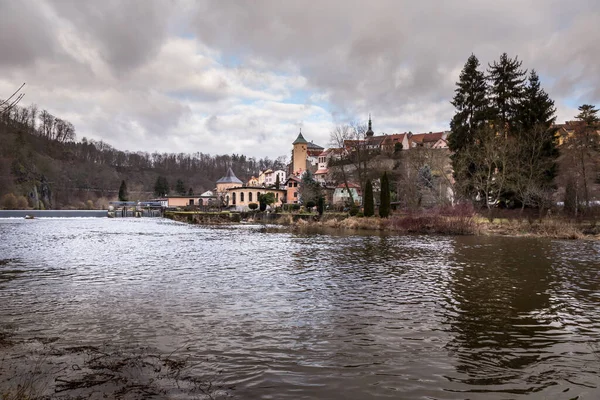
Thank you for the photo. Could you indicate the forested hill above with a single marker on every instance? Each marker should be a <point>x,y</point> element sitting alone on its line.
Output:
<point>39,155</point>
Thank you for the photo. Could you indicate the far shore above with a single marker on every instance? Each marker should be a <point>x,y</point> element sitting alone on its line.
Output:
<point>422,222</point>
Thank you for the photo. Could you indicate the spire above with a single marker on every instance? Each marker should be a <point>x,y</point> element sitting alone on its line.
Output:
<point>370,130</point>
<point>300,139</point>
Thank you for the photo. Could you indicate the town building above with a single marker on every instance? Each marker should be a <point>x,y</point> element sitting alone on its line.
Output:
<point>341,195</point>
<point>241,197</point>
<point>299,155</point>
<point>292,187</point>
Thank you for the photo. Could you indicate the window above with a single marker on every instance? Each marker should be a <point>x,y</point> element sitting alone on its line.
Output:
<point>295,194</point>
<point>233,198</point>
<point>241,197</point>
<point>295,184</point>
<point>191,202</point>
<point>250,196</point>
<point>290,184</point>
<point>277,196</point>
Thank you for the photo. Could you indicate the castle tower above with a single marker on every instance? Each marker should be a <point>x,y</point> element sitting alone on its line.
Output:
<point>370,130</point>
<point>299,155</point>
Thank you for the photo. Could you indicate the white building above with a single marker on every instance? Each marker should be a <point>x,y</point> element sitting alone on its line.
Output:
<point>341,195</point>
<point>271,177</point>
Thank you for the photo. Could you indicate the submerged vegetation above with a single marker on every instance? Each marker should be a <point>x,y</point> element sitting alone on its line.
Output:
<point>38,368</point>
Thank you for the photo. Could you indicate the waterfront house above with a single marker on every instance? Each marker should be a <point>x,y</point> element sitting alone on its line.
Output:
<point>292,187</point>
<point>341,195</point>
<point>241,197</point>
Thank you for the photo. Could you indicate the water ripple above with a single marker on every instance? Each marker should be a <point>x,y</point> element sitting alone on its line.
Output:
<point>296,316</point>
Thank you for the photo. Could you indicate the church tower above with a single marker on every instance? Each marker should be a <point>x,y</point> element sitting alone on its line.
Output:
<point>369,132</point>
<point>299,155</point>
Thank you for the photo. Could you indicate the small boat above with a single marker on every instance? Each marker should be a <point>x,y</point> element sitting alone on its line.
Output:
<point>29,216</point>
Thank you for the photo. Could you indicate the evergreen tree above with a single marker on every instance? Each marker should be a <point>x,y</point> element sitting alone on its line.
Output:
<point>123,195</point>
<point>310,189</point>
<point>190,192</point>
<point>321,205</point>
<point>277,183</point>
<point>384,206</point>
<point>585,145</point>
<point>180,188</point>
<point>472,112</point>
<point>507,90</point>
<point>570,200</point>
<point>369,202</point>
<point>534,153</point>
<point>536,107</point>
<point>471,106</point>
<point>588,114</point>
<point>161,186</point>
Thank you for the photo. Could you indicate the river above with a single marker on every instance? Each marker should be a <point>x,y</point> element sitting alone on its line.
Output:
<point>328,316</point>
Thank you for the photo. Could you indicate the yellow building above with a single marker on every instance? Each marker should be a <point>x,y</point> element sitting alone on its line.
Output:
<point>240,197</point>
<point>299,155</point>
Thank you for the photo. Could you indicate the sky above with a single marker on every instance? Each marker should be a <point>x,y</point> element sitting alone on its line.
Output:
<point>244,77</point>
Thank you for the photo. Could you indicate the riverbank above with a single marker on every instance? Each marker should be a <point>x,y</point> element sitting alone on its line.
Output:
<point>553,228</point>
<point>53,213</point>
<point>451,223</point>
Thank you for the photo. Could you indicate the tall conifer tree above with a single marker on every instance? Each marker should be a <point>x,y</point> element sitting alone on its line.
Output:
<point>471,106</point>
<point>535,149</point>
<point>507,89</point>
<point>369,202</point>
<point>384,206</point>
<point>123,194</point>
<point>472,110</point>
<point>536,107</point>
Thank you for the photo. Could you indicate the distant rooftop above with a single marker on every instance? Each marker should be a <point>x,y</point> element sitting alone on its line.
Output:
<point>229,178</point>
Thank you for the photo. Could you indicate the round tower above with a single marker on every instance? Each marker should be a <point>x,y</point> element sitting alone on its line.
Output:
<point>299,155</point>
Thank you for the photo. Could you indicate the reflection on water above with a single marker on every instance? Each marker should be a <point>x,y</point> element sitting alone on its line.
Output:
<point>317,316</point>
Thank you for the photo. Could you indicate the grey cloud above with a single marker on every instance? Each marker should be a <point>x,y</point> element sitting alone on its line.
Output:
<point>398,59</point>
<point>354,48</point>
<point>128,33</point>
<point>25,34</point>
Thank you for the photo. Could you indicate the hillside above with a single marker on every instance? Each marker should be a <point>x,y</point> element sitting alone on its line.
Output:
<point>40,158</point>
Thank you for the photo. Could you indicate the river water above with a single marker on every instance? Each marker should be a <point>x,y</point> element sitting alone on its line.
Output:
<point>328,316</point>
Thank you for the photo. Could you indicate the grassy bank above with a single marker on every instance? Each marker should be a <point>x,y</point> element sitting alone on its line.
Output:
<point>550,227</point>
<point>452,222</point>
<point>459,220</point>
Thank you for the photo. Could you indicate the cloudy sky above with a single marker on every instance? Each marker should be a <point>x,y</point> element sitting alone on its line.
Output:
<point>244,76</point>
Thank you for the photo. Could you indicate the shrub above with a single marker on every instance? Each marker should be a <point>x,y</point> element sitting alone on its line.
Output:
<point>353,210</point>
<point>9,201</point>
<point>310,204</point>
<point>295,207</point>
<point>360,214</point>
<point>22,203</point>
<point>253,206</point>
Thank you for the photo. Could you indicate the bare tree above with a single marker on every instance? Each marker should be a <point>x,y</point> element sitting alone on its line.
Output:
<point>487,165</point>
<point>531,170</point>
<point>7,105</point>
<point>339,137</point>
